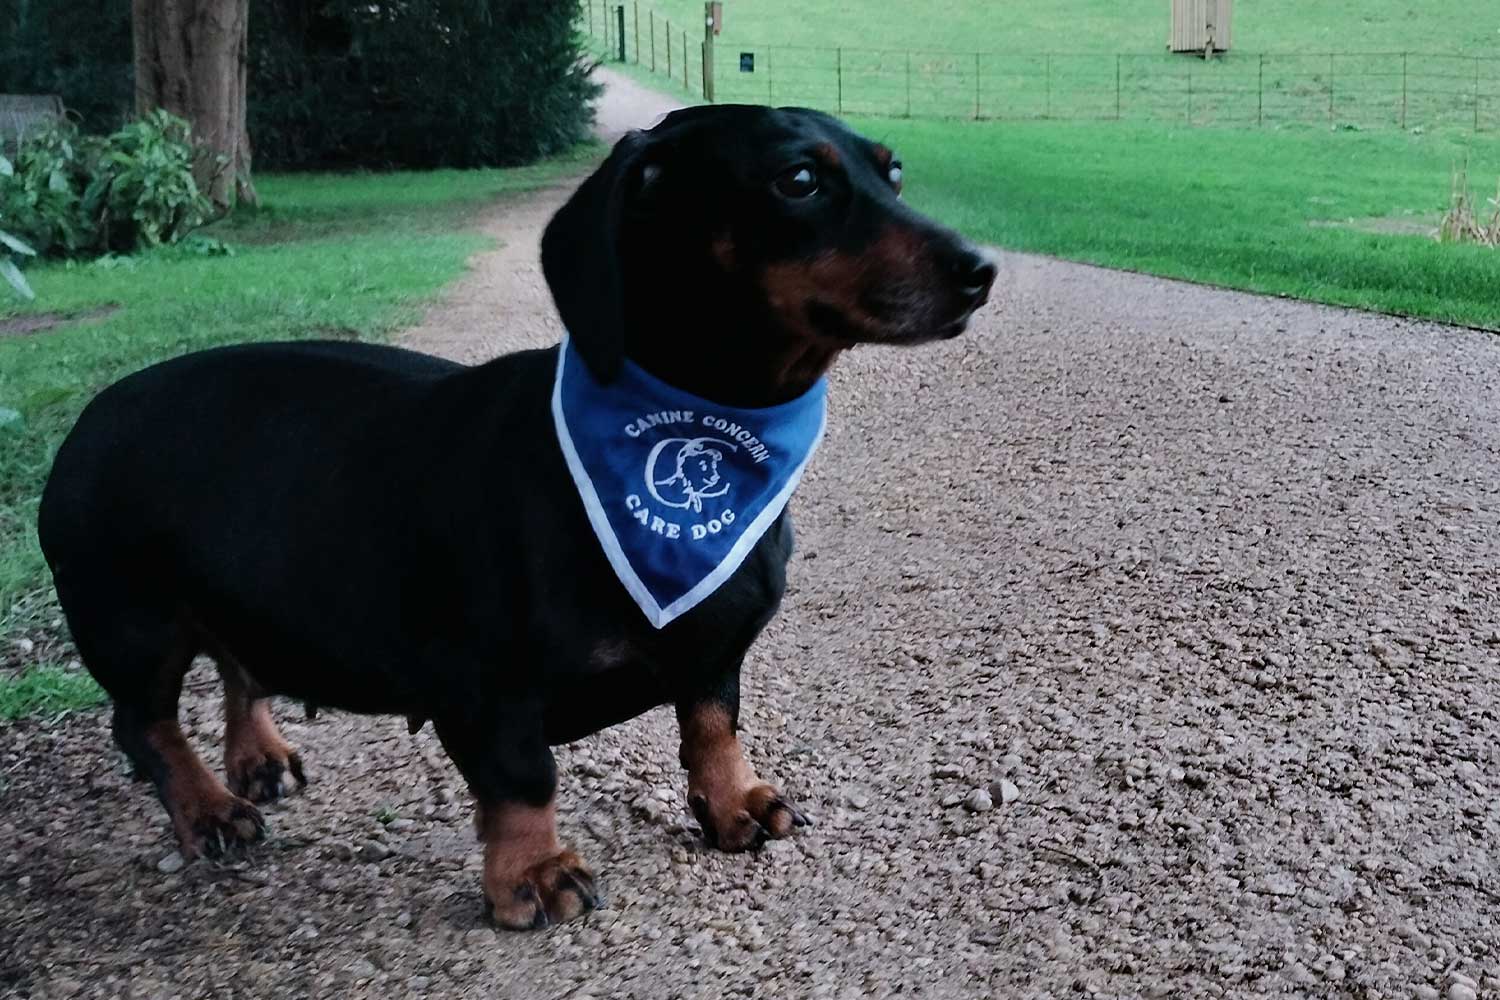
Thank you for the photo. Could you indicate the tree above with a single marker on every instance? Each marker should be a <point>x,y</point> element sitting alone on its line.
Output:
<point>190,58</point>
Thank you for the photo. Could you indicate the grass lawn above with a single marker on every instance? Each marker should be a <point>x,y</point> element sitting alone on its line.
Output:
<point>46,690</point>
<point>1094,59</point>
<point>1262,210</point>
<point>326,255</point>
<point>1083,25</point>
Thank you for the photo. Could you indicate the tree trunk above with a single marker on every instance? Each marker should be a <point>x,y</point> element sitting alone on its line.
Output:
<point>190,59</point>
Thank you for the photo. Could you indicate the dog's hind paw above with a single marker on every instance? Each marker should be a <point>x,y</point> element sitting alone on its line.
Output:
<point>264,779</point>
<point>748,819</point>
<point>555,890</point>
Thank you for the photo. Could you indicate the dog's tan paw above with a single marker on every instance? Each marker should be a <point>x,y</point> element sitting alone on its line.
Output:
<point>262,778</point>
<point>214,825</point>
<point>745,819</point>
<point>550,892</point>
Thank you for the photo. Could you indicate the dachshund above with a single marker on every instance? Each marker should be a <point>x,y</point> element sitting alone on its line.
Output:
<point>379,531</point>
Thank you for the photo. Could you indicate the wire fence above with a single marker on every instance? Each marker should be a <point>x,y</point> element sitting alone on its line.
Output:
<point>1339,89</point>
<point>638,34</point>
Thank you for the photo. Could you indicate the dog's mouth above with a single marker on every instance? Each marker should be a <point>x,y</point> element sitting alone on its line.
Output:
<point>899,316</point>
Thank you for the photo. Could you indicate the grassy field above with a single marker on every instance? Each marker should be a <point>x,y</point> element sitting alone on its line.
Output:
<point>1379,64</point>
<point>1306,186</point>
<point>1328,217</point>
<point>1082,26</point>
<point>327,256</point>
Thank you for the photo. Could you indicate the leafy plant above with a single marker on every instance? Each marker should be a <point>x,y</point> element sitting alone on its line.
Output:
<point>148,179</point>
<point>73,195</point>
<point>12,248</point>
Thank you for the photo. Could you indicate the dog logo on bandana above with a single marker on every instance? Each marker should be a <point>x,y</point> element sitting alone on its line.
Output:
<point>694,473</point>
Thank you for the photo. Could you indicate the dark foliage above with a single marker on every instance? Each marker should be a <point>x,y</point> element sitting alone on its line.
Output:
<point>80,49</point>
<point>372,83</point>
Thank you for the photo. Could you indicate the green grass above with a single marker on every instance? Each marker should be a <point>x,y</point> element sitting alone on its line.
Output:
<point>341,255</point>
<point>1093,59</point>
<point>1243,208</point>
<point>1080,26</point>
<point>46,690</point>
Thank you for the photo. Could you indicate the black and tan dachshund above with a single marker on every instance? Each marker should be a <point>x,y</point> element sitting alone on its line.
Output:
<point>380,531</point>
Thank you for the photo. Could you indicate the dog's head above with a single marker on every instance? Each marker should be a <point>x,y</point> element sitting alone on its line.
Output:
<point>698,466</point>
<point>735,250</point>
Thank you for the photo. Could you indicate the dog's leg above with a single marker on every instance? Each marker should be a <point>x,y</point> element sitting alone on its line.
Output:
<point>140,654</point>
<point>530,880</point>
<point>736,810</point>
<point>256,757</point>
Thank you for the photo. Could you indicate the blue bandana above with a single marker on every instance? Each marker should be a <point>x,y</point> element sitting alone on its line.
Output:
<point>677,488</point>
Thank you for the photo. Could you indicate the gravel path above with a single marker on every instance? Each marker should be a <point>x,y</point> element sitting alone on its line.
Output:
<point>1143,642</point>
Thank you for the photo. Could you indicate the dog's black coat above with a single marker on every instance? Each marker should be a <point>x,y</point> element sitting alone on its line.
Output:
<point>376,530</point>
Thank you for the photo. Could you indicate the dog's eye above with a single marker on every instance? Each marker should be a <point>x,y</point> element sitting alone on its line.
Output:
<point>799,182</point>
<point>894,175</point>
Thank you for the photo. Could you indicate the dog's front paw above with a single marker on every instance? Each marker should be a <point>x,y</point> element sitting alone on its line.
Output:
<point>550,892</point>
<point>215,825</point>
<point>744,819</point>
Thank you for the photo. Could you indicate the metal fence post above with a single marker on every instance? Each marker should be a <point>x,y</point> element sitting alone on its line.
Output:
<point>769,79</point>
<point>637,9</point>
<point>685,84</point>
<point>1403,91</point>
<point>591,18</point>
<point>1047,108</point>
<point>976,85</point>
<point>1117,88</point>
<point>669,48</point>
<point>1330,88</point>
<point>1190,95</point>
<point>1260,91</point>
<point>1476,93</point>
<point>620,29</point>
<point>651,24</point>
<point>908,83</point>
<point>604,21</point>
<point>838,69</point>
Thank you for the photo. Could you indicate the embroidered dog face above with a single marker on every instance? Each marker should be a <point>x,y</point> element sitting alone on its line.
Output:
<point>695,474</point>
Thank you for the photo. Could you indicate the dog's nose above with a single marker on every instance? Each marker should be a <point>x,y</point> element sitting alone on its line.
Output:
<point>974,272</point>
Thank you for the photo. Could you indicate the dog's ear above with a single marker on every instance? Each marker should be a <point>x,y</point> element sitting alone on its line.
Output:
<point>581,256</point>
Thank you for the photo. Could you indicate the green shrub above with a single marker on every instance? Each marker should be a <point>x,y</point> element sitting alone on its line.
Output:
<point>73,195</point>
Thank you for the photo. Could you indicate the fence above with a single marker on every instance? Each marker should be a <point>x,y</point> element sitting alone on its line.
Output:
<point>649,40</point>
<point>1341,89</point>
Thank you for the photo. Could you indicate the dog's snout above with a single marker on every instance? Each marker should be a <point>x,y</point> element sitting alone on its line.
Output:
<point>973,271</point>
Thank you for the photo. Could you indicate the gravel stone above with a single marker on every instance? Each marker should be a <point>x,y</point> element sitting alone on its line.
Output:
<point>979,801</point>
<point>1005,791</point>
<point>374,850</point>
<point>1461,991</point>
<point>171,863</point>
